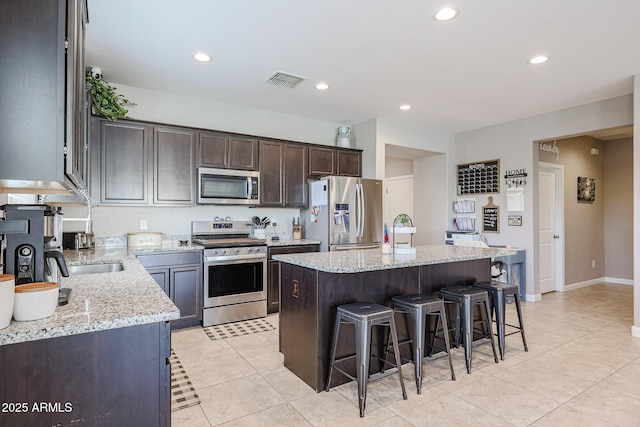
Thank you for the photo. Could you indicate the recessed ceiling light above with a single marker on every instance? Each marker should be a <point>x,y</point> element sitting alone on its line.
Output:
<point>405,107</point>
<point>202,57</point>
<point>538,59</point>
<point>322,86</point>
<point>445,14</point>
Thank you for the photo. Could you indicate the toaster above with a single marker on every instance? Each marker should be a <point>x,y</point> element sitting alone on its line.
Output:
<point>77,240</point>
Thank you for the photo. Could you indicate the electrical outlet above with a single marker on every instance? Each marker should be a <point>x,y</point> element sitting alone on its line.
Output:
<point>274,222</point>
<point>593,263</point>
<point>143,224</point>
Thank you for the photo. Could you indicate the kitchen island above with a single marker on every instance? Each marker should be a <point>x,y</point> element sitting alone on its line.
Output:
<point>314,284</point>
<point>102,359</point>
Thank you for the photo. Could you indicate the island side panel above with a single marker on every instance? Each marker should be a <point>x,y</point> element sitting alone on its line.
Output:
<point>299,321</point>
<point>112,377</point>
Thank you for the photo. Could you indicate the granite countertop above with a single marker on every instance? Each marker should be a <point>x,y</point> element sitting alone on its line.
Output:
<point>355,261</point>
<point>103,301</point>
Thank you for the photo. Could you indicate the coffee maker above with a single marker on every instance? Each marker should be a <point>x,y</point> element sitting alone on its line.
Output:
<point>35,256</point>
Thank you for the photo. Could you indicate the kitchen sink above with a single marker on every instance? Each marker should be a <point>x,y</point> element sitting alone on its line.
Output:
<point>95,268</point>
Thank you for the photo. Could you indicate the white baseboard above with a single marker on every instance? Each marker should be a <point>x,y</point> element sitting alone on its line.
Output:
<point>613,280</point>
<point>584,284</point>
<point>618,281</point>
<point>533,297</point>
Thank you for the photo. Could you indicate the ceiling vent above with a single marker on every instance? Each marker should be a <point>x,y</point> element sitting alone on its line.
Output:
<point>282,79</point>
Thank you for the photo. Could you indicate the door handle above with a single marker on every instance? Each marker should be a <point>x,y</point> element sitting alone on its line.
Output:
<point>555,236</point>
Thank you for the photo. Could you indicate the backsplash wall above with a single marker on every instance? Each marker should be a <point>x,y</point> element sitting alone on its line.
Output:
<point>112,221</point>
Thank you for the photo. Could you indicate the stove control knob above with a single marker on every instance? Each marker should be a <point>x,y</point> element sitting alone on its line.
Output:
<point>250,250</point>
<point>237,251</point>
<point>224,251</point>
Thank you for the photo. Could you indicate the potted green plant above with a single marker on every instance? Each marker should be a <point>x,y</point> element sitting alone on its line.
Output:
<point>105,100</point>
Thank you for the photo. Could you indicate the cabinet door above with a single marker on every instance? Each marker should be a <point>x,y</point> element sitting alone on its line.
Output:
<point>242,153</point>
<point>76,154</point>
<point>124,163</point>
<point>349,163</point>
<point>295,176</point>
<point>185,291</point>
<point>173,166</point>
<point>273,272</point>
<point>161,276</point>
<point>273,286</point>
<point>322,161</point>
<point>271,173</point>
<point>212,149</point>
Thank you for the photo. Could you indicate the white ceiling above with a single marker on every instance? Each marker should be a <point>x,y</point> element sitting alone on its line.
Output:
<point>375,54</point>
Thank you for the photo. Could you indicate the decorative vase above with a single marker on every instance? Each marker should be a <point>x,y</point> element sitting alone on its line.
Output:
<point>344,137</point>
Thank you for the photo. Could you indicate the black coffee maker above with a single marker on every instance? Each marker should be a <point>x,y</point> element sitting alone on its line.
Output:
<point>35,256</point>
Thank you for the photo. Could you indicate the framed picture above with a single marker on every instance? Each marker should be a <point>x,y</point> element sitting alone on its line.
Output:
<point>514,220</point>
<point>586,190</point>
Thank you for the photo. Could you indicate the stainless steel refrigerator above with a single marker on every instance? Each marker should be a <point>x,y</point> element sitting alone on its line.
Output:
<point>344,213</point>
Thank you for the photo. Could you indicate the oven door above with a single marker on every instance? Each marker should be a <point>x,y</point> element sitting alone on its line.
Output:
<point>234,281</point>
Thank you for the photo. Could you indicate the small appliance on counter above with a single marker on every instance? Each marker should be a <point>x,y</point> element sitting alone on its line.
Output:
<point>451,236</point>
<point>36,256</point>
<point>78,240</point>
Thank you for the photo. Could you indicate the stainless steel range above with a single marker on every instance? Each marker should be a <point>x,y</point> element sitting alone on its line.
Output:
<point>235,271</point>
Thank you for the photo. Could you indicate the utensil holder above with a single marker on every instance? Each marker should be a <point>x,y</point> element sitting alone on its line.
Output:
<point>259,233</point>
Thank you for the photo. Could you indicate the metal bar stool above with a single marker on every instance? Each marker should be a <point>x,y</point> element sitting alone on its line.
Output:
<point>419,306</point>
<point>465,298</point>
<point>499,293</point>
<point>363,316</point>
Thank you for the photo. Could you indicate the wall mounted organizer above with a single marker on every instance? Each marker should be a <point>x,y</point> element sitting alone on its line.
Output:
<point>479,178</point>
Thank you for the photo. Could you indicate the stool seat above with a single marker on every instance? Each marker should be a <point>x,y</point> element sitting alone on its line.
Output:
<point>419,306</point>
<point>364,316</point>
<point>465,298</point>
<point>499,292</point>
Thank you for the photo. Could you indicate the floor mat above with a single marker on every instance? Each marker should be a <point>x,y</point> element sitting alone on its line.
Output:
<point>183,394</point>
<point>236,329</point>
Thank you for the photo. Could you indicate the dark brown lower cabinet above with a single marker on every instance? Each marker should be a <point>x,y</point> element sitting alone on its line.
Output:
<point>117,377</point>
<point>273,271</point>
<point>179,274</point>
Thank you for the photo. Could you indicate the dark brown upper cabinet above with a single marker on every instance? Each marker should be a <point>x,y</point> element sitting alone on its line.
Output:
<point>227,151</point>
<point>349,163</point>
<point>325,161</point>
<point>283,173</point>
<point>322,161</point>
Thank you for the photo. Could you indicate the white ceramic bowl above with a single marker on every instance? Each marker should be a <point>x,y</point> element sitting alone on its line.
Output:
<point>35,301</point>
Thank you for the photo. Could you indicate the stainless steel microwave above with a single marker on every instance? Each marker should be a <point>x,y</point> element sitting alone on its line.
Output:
<point>228,187</point>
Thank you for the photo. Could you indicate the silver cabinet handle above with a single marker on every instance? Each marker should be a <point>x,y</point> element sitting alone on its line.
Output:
<point>555,236</point>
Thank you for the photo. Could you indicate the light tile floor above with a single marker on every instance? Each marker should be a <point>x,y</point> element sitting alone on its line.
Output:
<point>582,369</point>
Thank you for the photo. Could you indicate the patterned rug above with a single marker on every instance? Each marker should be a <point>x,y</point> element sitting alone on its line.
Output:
<point>236,329</point>
<point>183,394</point>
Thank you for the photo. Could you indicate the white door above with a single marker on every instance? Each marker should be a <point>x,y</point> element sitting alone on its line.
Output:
<point>398,198</point>
<point>550,266</point>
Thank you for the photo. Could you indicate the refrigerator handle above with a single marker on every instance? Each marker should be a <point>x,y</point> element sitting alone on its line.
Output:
<point>358,212</point>
<point>362,215</point>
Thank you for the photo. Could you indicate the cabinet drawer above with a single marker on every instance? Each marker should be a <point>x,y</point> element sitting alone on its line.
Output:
<point>169,259</point>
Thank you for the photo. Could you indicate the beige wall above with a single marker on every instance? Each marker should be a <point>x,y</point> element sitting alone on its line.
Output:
<point>618,209</point>
<point>597,231</point>
<point>583,222</point>
<point>397,167</point>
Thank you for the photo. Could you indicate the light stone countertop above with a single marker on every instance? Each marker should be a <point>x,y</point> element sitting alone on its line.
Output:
<point>103,301</point>
<point>355,261</point>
